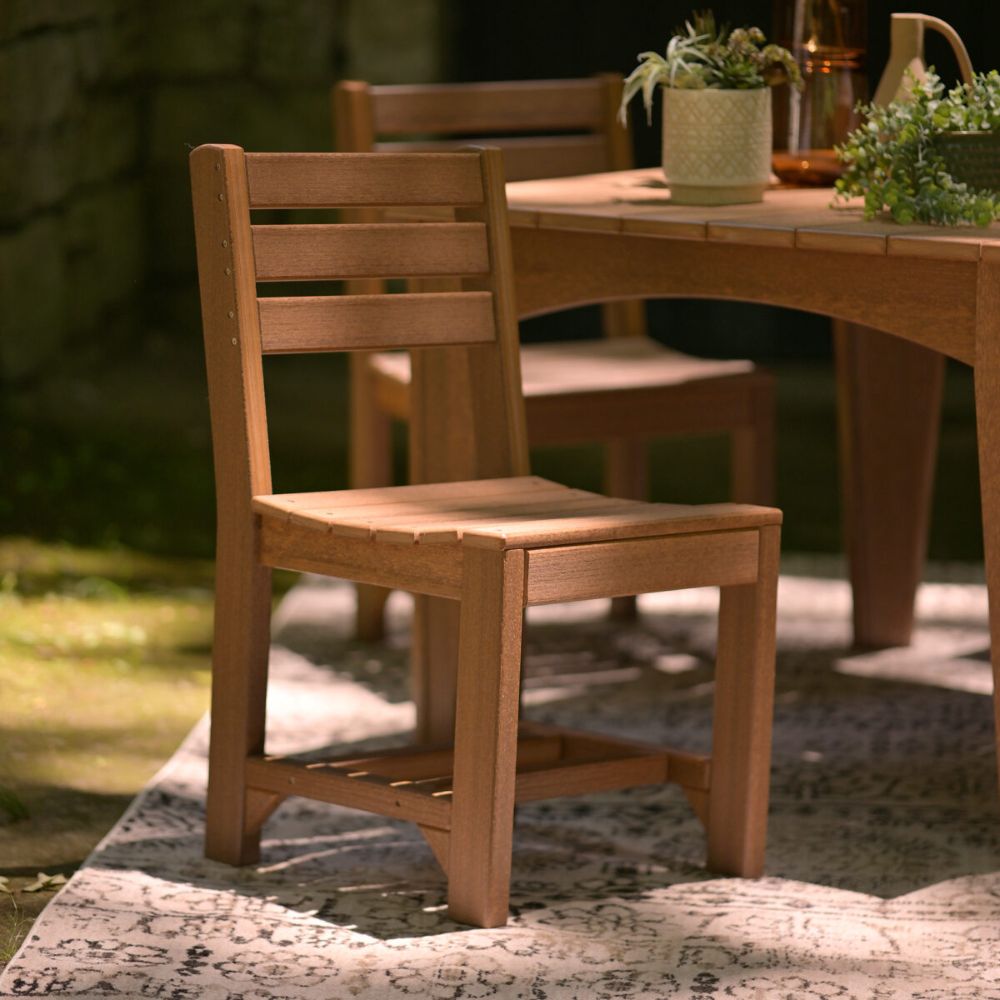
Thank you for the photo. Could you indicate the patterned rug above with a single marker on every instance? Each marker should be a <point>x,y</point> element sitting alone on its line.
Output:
<point>883,858</point>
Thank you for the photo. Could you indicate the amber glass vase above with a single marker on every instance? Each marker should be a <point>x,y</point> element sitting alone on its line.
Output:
<point>828,39</point>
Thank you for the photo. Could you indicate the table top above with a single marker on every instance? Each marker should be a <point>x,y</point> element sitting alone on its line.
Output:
<point>638,202</point>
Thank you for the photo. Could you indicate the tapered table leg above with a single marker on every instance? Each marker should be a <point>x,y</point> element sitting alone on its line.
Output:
<point>987,381</point>
<point>889,408</point>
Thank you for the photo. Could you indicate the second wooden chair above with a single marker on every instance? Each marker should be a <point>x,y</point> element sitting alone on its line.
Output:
<point>639,389</point>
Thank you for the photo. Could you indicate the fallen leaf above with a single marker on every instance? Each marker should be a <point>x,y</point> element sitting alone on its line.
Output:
<point>43,881</point>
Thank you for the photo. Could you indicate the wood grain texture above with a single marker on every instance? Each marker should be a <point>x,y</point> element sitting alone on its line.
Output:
<point>429,570</point>
<point>369,250</point>
<point>614,569</point>
<point>438,528</point>
<point>932,302</point>
<point>439,842</point>
<point>808,218</point>
<point>525,105</point>
<point>521,512</point>
<point>987,382</point>
<point>636,521</point>
<point>434,664</point>
<point>242,468</point>
<point>373,793</point>
<point>525,157</point>
<point>377,496</point>
<point>328,180</point>
<point>889,411</point>
<point>462,398</point>
<point>611,367</point>
<point>353,126</point>
<point>590,776</point>
<point>369,464</point>
<point>741,723</point>
<point>308,323</point>
<point>486,738</point>
<point>751,446</point>
<point>715,405</point>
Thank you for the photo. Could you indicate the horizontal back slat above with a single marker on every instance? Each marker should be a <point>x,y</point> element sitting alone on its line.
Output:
<point>377,250</point>
<point>526,158</point>
<point>524,105</point>
<point>375,322</point>
<point>332,180</point>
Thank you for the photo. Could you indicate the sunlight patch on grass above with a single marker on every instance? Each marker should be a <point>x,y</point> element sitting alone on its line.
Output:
<point>95,692</point>
<point>104,667</point>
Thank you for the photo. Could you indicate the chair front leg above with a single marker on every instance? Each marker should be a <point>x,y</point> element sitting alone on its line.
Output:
<point>741,727</point>
<point>239,685</point>
<point>489,676</point>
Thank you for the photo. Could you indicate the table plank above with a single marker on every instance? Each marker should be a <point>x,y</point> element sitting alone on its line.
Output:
<point>638,201</point>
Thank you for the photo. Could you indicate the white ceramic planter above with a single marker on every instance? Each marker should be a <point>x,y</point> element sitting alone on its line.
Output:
<point>716,145</point>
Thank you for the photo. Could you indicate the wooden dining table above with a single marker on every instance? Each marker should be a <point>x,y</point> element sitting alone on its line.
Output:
<point>902,298</point>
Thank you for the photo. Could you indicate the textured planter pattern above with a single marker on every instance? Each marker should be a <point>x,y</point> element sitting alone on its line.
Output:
<point>716,145</point>
<point>972,158</point>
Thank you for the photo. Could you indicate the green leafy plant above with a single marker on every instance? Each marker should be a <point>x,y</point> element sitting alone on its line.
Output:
<point>703,56</point>
<point>891,160</point>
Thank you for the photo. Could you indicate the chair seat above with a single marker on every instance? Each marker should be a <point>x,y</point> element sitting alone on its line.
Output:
<point>605,365</point>
<point>522,512</point>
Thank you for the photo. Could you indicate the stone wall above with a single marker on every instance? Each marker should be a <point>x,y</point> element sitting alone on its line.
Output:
<point>100,103</point>
<point>70,185</point>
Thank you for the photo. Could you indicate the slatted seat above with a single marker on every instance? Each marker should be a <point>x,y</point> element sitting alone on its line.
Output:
<point>526,512</point>
<point>618,391</point>
<point>478,534</point>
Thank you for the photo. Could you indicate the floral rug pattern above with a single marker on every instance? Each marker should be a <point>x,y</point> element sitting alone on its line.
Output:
<point>883,855</point>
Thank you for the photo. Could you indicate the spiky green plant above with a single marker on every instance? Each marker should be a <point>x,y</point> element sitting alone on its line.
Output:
<point>703,56</point>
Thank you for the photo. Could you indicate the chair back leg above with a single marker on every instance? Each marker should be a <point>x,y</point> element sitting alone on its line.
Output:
<point>434,654</point>
<point>751,450</point>
<point>626,474</point>
<point>239,683</point>
<point>370,465</point>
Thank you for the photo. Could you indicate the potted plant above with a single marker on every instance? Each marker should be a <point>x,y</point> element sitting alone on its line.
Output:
<point>716,109</point>
<point>930,156</point>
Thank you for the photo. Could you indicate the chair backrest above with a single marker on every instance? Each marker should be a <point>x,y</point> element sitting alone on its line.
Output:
<point>467,392</point>
<point>546,128</point>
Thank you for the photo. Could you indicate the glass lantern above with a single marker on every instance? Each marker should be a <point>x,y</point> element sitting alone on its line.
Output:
<point>828,39</point>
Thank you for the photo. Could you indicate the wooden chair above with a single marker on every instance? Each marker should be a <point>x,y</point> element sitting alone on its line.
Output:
<point>494,545</point>
<point>621,389</point>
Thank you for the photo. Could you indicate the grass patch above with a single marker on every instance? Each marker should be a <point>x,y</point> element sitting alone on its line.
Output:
<point>104,667</point>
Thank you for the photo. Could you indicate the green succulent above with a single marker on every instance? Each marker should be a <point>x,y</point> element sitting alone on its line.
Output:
<point>890,159</point>
<point>702,56</point>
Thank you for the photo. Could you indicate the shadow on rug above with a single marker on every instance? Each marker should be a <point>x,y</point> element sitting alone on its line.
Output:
<point>883,857</point>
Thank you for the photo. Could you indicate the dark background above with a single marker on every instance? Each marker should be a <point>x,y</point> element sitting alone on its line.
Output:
<point>103,416</point>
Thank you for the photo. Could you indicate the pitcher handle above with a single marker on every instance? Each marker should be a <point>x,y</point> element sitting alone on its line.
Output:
<point>957,45</point>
